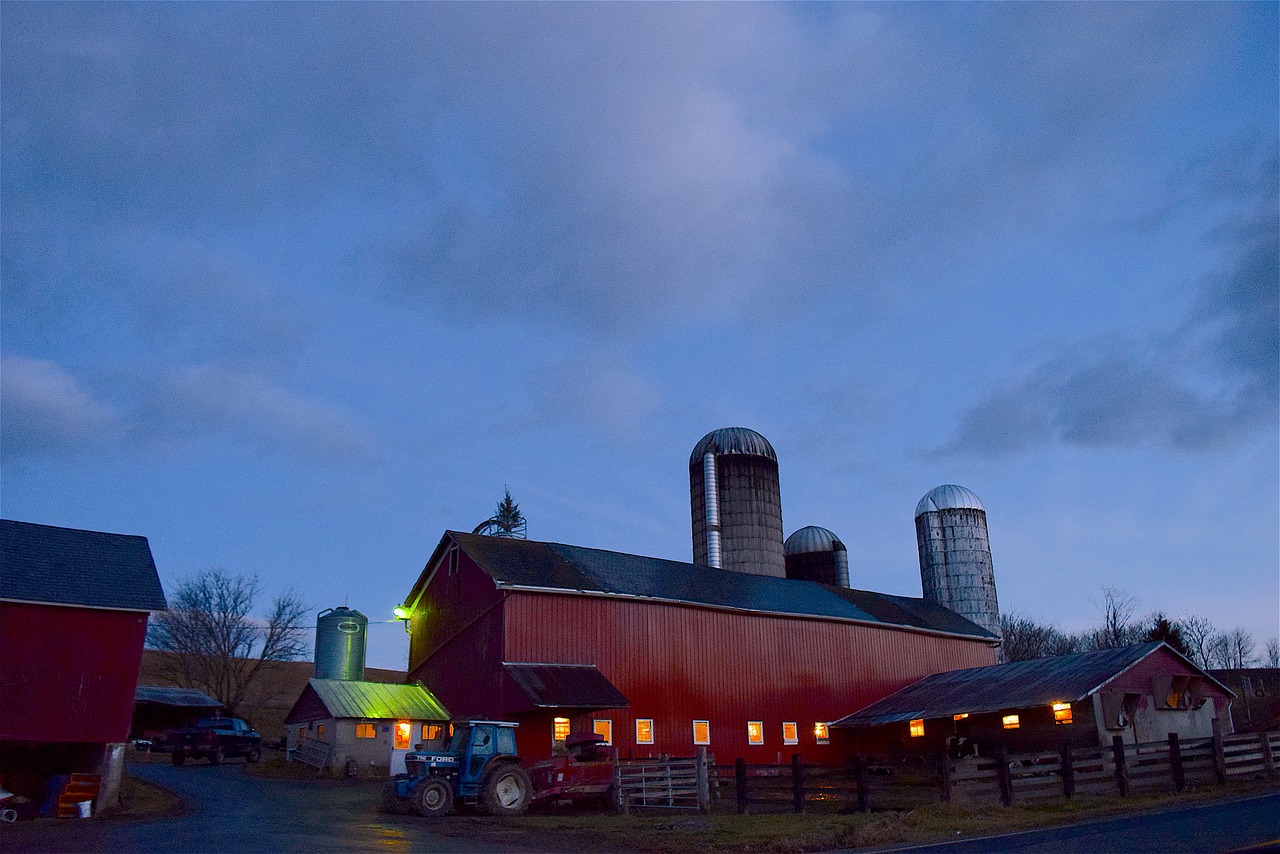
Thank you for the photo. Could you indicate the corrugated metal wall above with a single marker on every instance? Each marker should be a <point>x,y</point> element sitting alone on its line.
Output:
<point>68,674</point>
<point>677,664</point>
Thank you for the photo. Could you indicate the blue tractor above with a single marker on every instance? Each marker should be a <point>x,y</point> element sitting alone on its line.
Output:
<point>480,768</point>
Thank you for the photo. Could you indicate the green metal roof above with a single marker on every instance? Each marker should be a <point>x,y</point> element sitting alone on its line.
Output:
<point>378,700</point>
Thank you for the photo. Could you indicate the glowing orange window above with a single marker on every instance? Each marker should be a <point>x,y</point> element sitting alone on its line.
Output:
<point>917,727</point>
<point>1011,721</point>
<point>404,731</point>
<point>755,732</point>
<point>1062,713</point>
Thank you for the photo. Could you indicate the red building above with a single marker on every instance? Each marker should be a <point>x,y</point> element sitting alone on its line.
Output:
<point>663,656</point>
<point>73,618</point>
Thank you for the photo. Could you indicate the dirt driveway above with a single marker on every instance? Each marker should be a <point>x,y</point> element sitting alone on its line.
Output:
<point>231,811</point>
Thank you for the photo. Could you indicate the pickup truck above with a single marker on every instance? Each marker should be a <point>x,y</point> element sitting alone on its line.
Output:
<point>214,739</point>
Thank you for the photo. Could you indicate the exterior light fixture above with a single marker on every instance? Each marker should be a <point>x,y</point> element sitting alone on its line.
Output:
<point>402,613</point>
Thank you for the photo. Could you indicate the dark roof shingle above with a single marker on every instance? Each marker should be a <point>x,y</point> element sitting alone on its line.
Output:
<point>528,563</point>
<point>66,566</point>
<point>568,686</point>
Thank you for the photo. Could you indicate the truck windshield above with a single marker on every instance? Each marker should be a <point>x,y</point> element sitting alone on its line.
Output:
<point>213,724</point>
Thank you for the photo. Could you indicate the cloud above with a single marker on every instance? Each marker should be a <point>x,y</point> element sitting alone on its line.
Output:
<point>1210,383</point>
<point>598,389</point>
<point>46,412</point>
<point>209,401</point>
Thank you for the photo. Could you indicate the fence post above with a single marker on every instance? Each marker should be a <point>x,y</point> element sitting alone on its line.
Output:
<point>740,777</point>
<point>621,801</point>
<point>1268,757</point>
<point>1067,767</point>
<point>704,782</point>
<point>1003,777</point>
<point>797,783</point>
<point>860,777</point>
<point>945,780</point>
<point>1219,754</point>
<point>1122,769</point>
<point>1175,763</point>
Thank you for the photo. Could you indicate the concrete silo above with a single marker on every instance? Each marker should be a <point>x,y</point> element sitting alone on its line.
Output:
<point>955,557</point>
<point>816,554</point>
<point>340,644</point>
<point>736,503</point>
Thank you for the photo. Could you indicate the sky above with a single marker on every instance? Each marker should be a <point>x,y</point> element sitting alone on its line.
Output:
<point>292,289</point>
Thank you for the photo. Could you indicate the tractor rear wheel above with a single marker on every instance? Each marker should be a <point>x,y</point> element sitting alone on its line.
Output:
<point>433,798</point>
<point>506,790</point>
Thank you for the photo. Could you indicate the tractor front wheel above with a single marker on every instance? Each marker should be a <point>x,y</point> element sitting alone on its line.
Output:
<point>506,791</point>
<point>433,798</point>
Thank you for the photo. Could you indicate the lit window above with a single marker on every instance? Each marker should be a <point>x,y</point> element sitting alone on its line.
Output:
<point>960,716</point>
<point>366,731</point>
<point>644,731</point>
<point>1062,713</point>
<point>320,731</point>
<point>821,734</point>
<point>755,732</point>
<point>604,729</point>
<point>790,733</point>
<point>431,732</point>
<point>1010,722</point>
<point>701,732</point>
<point>917,728</point>
<point>560,729</point>
<point>404,730</point>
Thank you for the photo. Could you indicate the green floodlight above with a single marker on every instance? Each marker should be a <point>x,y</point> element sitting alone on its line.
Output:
<point>401,612</point>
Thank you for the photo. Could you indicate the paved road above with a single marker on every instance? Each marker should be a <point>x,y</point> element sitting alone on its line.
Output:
<point>233,812</point>
<point>1210,828</point>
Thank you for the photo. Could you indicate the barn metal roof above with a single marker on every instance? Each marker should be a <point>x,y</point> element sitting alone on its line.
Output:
<point>732,440</point>
<point>66,566</point>
<point>174,697</point>
<point>378,700</point>
<point>1017,685</point>
<point>948,497</point>
<point>569,686</point>
<point>531,564</point>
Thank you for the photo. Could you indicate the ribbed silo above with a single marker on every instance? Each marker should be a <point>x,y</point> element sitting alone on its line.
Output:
<point>736,503</point>
<point>816,554</point>
<point>340,644</point>
<point>955,556</point>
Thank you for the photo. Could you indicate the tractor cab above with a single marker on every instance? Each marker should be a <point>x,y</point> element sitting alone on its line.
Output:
<point>480,767</point>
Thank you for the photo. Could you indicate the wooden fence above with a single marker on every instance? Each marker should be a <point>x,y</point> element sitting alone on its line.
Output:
<point>1170,765</point>
<point>679,784</point>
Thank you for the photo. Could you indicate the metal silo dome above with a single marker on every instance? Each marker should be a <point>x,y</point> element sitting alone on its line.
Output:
<point>811,538</point>
<point>732,440</point>
<point>948,497</point>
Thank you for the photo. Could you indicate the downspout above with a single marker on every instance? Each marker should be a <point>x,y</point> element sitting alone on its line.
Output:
<point>711,498</point>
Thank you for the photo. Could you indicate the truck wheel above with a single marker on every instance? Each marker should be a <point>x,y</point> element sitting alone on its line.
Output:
<point>433,798</point>
<point>506,791</point>
<point>254,754</point>
<point>178,757</point>
<point>215,758</point>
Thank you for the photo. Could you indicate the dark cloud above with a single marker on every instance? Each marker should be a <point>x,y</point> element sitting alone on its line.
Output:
<point>1210,383</point>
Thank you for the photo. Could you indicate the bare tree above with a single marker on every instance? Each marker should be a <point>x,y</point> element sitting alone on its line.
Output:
<point>1273,653</point>
<point>217,646</point>
<point>1024,639</point>
<point>1236,649</point>
<point>1198,634</point>
<point>1117,627</point>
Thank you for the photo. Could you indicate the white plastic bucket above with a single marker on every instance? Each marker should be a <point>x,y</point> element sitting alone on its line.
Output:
<point>85,808</point>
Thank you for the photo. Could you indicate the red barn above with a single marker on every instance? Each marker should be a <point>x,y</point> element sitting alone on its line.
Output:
<point>662,656</point>
<point>73,618</point>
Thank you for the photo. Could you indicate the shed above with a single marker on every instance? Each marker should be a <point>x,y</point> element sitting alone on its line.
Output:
<point>73,619</point>
<point>157,708</point>
<point>344,725</point>
<point>1141,693</point>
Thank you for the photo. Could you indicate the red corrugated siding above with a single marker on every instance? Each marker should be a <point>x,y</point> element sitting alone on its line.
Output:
<point>68,674</point>
<point>1141,677</point>
<point>676,664</point>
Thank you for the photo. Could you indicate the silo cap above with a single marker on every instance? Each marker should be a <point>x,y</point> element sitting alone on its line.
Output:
<point>948,497</point>
<point>733,440</point>
<point>811,539</point>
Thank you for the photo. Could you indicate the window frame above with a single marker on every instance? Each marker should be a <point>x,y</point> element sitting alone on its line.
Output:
<point>648,721</point>
<point>916,727</point>
<point>758,737</point>
<point>556,722</point>
<point>821,732</point>
<point>366,727</point>
<point>706,738</point>
<point>608,725</point>
<point>1013,721</point>
<point>794,737</point>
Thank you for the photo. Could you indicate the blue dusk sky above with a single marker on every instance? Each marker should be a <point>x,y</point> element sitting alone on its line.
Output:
<point>291,289</point>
